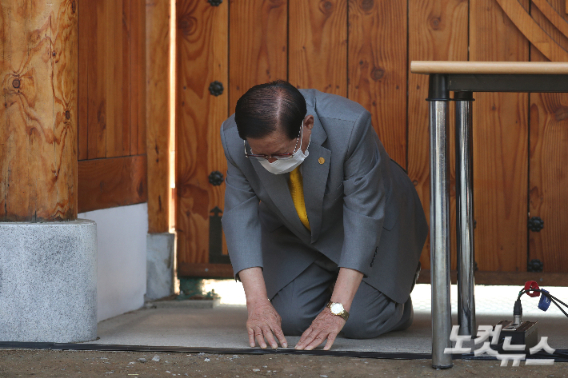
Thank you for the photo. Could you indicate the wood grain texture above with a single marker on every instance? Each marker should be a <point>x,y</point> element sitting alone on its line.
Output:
<point>548,175</point>
<point>318,45</point>
<point>500,133</point>
<point>552,23</point>
<point>438,30</point>
<point>138,104</point>
<point>553,14</point>
<point>532,31</point>
<point>202,56</point>
<point>377,78</point>
<point>259,46</point>
<point>82,85</point>
<point>115,77</point>
<point>105,183</point>
<point>38,137</point>
<point>96,119</point>
<point>157,113</point>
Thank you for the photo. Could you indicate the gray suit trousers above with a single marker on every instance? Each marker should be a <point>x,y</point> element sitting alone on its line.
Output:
<point>372,313</point>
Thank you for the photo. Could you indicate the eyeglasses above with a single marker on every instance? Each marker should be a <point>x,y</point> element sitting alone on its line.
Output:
<point>284,156</point>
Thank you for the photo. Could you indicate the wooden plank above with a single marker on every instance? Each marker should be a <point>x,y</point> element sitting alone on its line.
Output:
<point>500,134</point>
<point>109,79</point>
<point>158,15</point>
<point>202,56</point>
<point>318,45</point>
<point>548,175</point>
<point>124,122</point>
<point>259,49</point>
<point>138,81</point>
<point>96,113</point>
<point>105,183</point>
<point>38,136</point>
<point>112,105</point>
<point>377,69</point>
<point>438,30</point>
<point>82,87</point>
<point>505,278</point>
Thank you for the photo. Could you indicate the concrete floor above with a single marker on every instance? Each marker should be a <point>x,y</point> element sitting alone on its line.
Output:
<point>223,326</point>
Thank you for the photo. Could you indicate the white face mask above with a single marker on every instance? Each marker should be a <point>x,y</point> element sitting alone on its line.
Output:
<point>282,166</point>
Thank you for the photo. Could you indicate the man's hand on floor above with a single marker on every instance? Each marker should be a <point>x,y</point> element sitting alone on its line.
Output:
<point>325,326</point>
<point>263,321</point>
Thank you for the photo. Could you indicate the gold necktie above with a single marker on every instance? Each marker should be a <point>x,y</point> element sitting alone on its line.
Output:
<point>297,192</point>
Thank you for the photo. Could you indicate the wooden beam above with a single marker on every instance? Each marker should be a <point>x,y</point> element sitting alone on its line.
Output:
<point>105,183</point>
<point>158,36</point>
<point>205,270</point>
<point>506,278</point>
<point>38,136</point>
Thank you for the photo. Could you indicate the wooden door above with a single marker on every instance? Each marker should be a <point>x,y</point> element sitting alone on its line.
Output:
<point>202,104</point>
<point>361,49</point>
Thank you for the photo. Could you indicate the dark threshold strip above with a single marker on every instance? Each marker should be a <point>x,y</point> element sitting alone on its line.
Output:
<point>560,355</point>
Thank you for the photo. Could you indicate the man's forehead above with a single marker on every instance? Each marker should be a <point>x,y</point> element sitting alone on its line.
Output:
<point>274,143</point>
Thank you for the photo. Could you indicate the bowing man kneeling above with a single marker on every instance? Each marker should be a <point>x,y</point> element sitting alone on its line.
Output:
<point>323,229</point>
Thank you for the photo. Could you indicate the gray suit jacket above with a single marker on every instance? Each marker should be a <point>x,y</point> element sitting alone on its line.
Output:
<point>363,210</point>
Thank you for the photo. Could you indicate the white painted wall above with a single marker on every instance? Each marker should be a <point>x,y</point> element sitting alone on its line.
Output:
<point>121,259</point>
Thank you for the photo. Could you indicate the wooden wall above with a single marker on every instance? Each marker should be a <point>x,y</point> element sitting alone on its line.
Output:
<point>361,49</point>
<point>111,91</point>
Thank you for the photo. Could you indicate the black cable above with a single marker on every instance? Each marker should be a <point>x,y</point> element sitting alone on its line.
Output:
<point>558,300</point>
<point>557,305</point>
<point>552,298</point>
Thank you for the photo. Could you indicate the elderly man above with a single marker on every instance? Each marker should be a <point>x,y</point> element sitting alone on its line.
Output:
<point>323,229</point>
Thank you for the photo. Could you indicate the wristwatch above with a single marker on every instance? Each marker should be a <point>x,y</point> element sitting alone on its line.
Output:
<point>337,309</point>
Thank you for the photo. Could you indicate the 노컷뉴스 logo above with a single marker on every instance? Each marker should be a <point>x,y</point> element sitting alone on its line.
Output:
<point>486,331</point>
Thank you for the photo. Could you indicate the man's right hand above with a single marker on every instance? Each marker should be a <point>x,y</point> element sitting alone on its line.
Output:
<point>264,323</point>
<point>263,320</point>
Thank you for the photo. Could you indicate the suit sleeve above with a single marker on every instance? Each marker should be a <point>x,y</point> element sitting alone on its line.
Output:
<point>240,220</point>
<point>364,197</point>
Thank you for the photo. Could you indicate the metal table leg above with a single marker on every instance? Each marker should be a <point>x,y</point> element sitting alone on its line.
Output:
<point>438,94</point>
<point>464,212</point>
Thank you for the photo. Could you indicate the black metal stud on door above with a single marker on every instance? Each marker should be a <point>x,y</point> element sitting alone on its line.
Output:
<point>536,224</point>
<point>216,88</point>
<point>215,3</point>
<point>535,265</point>
<point>216,178</point>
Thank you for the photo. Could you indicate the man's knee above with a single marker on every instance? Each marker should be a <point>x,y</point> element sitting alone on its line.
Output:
<point>294,320</point>
<point>360,328</point>
<point>365,325</point>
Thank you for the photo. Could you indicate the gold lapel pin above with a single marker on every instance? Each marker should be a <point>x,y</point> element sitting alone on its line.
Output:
<point>321,160</point>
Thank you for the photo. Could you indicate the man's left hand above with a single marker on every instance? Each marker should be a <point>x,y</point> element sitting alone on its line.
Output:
<point>325,326</point>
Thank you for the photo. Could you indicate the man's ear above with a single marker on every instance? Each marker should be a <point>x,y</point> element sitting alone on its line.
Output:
<point>309,121</point>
